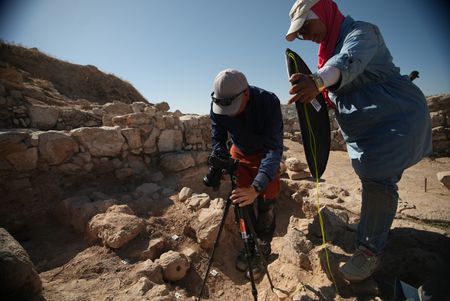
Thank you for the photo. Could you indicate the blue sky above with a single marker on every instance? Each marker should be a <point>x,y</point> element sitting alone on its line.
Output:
<point>172,50</point>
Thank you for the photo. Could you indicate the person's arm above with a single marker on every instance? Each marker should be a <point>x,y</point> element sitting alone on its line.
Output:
<point>273,147</point>
<point>358,49</point>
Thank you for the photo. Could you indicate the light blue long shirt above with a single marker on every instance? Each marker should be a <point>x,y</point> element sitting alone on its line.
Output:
<point>383,116</point>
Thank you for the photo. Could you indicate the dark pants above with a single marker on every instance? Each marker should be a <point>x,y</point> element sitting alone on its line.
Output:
<point>262,217</point>
<point>379,205</point>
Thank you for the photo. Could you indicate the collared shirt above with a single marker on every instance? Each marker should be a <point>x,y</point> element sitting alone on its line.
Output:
<point>383,116</point>
<point>259,128</point>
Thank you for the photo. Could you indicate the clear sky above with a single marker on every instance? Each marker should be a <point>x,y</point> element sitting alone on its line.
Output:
<point>171,50</point>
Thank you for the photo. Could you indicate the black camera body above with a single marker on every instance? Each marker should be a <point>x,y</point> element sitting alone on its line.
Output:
<point>218,163</point>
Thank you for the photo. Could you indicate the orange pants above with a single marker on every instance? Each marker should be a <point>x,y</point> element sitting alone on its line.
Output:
<point>248,169</point>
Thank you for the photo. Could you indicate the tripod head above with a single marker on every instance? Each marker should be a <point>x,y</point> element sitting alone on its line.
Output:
<point>220,164</point>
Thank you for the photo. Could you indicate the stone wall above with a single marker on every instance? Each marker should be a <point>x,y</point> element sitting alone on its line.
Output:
<point>43,146</point>
<point>439,108</point>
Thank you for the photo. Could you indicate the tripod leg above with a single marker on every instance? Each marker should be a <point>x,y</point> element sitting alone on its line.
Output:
<point>216,243</point>
<point>245,237</point>
<point>258,246</point>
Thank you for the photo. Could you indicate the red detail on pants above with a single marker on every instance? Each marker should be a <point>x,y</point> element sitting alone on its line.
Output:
<point>248,169</point>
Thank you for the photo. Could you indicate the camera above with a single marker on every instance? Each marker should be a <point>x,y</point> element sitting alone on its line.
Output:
<point>218,163</point>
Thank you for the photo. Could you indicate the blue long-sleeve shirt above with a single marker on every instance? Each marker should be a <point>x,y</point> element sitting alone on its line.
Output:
<point>259,128</point>
<point>383,116</point>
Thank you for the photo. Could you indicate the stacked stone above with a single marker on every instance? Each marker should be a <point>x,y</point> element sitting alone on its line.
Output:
<point>13,112</point>
<point>295,169</point>
<point>439,107</point>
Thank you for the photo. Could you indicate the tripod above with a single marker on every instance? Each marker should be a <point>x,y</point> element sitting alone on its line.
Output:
<point>244,222</point>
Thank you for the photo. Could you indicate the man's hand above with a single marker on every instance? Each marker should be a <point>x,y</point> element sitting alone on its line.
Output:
<point>244,196</point>
<point>304,89</point>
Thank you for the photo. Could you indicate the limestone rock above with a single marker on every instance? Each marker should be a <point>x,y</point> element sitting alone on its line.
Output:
<point>117,108</point>
<point>154,249</point>
<point>150,145</point>
<point>70,168</point>
<point>200,157</point>
<point>150,110</point>
<point>206,225</point>
<point>56,147</point>
<point>159,292</point>
<point>170,141</point>
<point>116,227</point>
<point>132,120</point>
<point>283,167</point>
<point>298,175</point>
<point>197,201</point>
<point>163,106</point>
<point>137,164</point>
<point>13,149</point>
<point>193,136</point>
<point>101,142</point>
<point>184,194</point>
<point>43,117</point>
<point>437,118</point>
<point>189,121</point>
<point>217,203</point>
<point>177,161</point>
<point>124,173</point>
<point>78,211</point>
<point>156,176</point>
<point>174,265</point>
<point>18,277</point>
<point>296,246</point>
<point>295,164</point>
<point>24,160</point>
<point>444,178</point>
<point>147,189</point>
<point>136,291</point>
<point>149,269</point>
<point>133,137</point>
<point>334,224</point>
<point>138,106</point>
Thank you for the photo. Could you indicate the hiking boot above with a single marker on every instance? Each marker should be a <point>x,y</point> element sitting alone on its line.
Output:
<point>257,268</point>
<point>265,248</point>
<point>241,261</point>
<point>360,266</point>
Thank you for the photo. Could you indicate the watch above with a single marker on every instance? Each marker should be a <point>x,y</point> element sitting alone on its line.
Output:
<point>318,81</point>
<point>257,187</point>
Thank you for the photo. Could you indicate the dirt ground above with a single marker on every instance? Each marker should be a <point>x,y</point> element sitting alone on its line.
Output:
<point>71,268</point>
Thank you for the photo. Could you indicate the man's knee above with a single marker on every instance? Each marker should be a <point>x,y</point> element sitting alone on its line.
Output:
<point>265,205</point>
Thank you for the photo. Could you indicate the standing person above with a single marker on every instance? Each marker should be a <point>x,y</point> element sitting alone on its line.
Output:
<point>413,75</point>
<point>382,115</point>
<point>252,118</point>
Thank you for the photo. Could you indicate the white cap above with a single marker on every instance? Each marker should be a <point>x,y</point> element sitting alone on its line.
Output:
<point>298,14</point>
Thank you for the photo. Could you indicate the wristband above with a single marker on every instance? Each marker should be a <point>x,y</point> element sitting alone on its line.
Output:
<point>257,187</point>
<point>318,81</point>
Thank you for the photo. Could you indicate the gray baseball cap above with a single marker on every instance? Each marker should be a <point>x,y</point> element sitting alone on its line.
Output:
<point>228,89</point>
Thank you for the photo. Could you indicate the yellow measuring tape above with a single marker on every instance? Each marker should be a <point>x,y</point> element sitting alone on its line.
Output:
<point>313,146</point>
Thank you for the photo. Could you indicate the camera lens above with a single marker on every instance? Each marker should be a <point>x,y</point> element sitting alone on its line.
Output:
<point>212,179</point>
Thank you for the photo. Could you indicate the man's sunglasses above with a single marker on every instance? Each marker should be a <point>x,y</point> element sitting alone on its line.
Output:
<point>225,102</point>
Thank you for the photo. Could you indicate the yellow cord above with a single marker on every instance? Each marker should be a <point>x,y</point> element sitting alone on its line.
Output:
<point>313,146</point>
